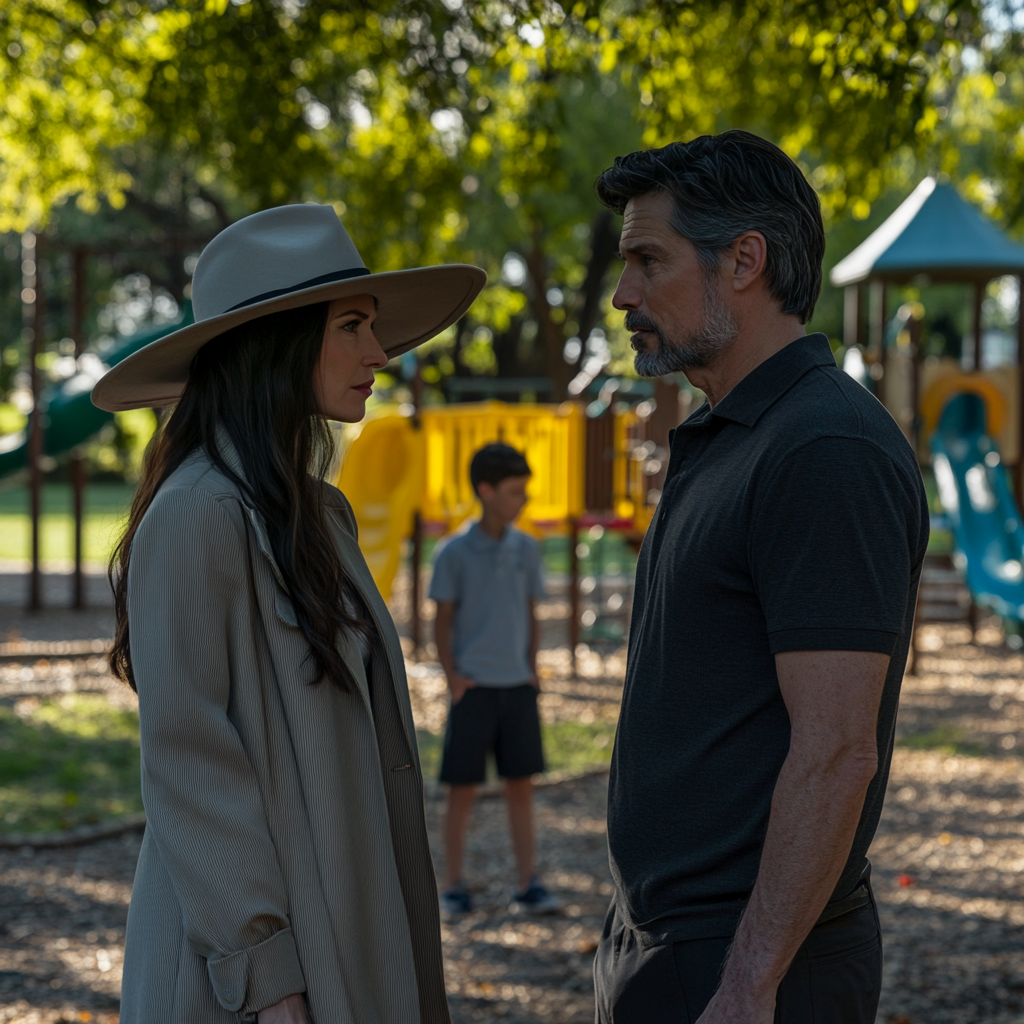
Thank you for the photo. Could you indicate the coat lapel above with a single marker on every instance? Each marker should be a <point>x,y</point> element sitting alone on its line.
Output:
<point>283,606</point>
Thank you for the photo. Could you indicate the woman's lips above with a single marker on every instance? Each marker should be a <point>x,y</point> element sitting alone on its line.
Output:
<point>364,389</point>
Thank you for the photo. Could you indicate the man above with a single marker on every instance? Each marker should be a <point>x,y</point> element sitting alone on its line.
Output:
<point>775,596</point>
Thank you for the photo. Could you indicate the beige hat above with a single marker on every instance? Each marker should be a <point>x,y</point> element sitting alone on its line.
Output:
<point>280,259</point>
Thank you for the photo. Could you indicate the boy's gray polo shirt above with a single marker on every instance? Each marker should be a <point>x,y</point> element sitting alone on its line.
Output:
<point>793,517</point>
<point>491,582</point>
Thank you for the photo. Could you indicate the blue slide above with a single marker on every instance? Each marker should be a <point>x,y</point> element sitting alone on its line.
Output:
<point>70,417</point>
<point>975,492</point>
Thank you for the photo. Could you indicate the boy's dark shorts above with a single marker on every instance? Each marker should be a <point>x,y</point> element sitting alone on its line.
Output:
<point>499,718</point>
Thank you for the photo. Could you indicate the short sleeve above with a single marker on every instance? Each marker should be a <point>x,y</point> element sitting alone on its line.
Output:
<point>444,583</point>
<point>835,542</point>
<point>535,581</point>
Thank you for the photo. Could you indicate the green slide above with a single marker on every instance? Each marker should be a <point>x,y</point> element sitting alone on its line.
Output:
<point>979,504</point>
<point>70,417</point>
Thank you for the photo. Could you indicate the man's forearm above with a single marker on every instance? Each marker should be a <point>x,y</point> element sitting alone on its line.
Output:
<point>815,809</point>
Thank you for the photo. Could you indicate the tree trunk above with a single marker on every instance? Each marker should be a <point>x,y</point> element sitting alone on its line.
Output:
<point>604,243</point>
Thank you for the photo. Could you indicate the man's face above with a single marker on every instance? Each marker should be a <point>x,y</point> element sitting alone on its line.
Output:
<point>673,305</point>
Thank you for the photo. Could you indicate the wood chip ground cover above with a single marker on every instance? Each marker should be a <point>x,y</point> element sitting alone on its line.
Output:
<point>948,859</point>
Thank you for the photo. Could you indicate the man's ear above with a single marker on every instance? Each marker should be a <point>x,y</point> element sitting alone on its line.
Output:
<point>749,255</point>
<point>484,490</point>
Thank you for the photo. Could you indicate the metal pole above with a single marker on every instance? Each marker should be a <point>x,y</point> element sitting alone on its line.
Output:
<point>417,560</point>
<point>78,471</point>
<point>78,499</point>
<point>417,529</point>
<point>32,293</point>
<point>574,591</point>
<point>877,339</point>
<point>979,295</point>
<point>1020,391</point>
<point>914,327</point>
<point>851,314</point>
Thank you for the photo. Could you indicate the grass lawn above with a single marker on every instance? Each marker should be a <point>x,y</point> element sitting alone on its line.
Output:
<point>67,761</point>
<point>74,760</point>
<point>949,739</point>
<point>568,747</point>
<point>105,507</point>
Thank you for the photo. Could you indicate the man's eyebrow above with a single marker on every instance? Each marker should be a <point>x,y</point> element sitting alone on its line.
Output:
<point>642,248</point>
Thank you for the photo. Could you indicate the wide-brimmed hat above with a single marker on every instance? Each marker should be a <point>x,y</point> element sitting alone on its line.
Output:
<point>280,259</point>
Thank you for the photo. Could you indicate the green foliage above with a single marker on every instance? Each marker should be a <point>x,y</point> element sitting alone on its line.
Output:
<point>468,131</point>
<point>67,761</point>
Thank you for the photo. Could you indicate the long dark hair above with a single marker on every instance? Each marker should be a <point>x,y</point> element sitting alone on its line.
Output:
<point>257,382</point>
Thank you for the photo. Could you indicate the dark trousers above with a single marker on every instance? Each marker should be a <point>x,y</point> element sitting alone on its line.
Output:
<point>835,977</point>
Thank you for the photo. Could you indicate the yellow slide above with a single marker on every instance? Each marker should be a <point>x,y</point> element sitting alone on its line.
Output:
<point>382,477</point>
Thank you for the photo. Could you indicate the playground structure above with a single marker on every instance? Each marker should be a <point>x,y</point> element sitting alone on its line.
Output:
<point>62,418</point>
<point>407,477</point>
<point>964,419</point>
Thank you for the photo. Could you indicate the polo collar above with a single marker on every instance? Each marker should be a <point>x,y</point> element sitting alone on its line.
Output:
<point>485,540</point>
<point>767,383</point>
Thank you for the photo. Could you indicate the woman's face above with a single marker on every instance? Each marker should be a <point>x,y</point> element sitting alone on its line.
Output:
<point>349,355</point>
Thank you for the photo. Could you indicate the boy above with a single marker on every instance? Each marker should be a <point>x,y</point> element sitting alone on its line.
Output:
<point>485,583</point>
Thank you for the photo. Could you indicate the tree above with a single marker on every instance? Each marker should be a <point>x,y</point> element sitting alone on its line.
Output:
<point>466,130</point>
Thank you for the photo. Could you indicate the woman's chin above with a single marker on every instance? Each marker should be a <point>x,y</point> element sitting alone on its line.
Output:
<point>349,411</point>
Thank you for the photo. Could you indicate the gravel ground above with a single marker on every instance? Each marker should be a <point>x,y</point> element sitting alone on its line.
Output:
<point>948,858</point>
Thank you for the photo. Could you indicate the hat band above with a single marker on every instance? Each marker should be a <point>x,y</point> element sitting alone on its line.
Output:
<point>338,275</point>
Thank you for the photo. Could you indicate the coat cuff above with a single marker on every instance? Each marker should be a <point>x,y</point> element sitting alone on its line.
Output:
<point>253,979</point>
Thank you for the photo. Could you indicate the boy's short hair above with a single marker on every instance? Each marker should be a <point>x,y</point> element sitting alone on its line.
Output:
<point>496,462</point>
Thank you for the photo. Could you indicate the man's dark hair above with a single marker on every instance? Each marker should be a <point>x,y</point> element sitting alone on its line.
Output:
<point>724,185</point>
<point>496,462</point>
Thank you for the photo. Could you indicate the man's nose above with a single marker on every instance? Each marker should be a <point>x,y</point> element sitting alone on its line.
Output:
<point>626,295</point>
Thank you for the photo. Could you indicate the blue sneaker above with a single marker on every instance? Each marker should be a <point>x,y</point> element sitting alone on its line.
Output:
<point>534,899</point>
<point>457,901</point>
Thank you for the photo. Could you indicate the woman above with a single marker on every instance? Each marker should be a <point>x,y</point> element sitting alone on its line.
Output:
<point>285,874</point>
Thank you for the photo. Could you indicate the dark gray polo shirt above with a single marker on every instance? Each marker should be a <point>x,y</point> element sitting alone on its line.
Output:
<point>793,517</point>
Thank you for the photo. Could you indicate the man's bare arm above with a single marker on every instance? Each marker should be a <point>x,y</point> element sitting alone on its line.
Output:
<point>833,699</point>
<point>443,620</point>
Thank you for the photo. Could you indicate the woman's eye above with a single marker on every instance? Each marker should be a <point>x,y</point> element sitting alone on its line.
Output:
<point>351,325</point>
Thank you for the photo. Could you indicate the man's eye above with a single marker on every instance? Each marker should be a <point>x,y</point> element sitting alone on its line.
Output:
<point>648,260</point>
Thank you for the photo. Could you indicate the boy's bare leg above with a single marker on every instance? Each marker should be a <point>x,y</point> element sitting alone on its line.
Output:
<point>460,803</point>
<point>519,794</point>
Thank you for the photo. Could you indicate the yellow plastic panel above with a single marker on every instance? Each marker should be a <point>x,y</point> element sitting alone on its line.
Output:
<point>998,388</point>
<point>382,477</point>
<point>550,436</point>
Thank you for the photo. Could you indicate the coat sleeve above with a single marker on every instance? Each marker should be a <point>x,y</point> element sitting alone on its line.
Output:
<point>188,602</point>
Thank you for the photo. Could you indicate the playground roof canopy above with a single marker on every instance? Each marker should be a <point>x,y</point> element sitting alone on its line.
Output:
<point>934,232</point>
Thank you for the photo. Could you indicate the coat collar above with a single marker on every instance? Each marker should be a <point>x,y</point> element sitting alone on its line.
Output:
<point>356,571</point>
<point>767,383</point>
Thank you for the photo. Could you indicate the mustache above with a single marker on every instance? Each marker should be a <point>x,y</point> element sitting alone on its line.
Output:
<point>636,321</point>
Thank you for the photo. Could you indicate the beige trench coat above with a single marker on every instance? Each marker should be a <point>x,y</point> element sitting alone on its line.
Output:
<point>286,849</point>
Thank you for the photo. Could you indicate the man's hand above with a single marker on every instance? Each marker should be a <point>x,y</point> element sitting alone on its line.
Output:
<point>290,1010</point>
<point>459,684</point>
<point>728,1007</point>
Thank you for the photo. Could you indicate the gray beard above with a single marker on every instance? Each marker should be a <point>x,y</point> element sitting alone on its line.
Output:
<point>717,333</point>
